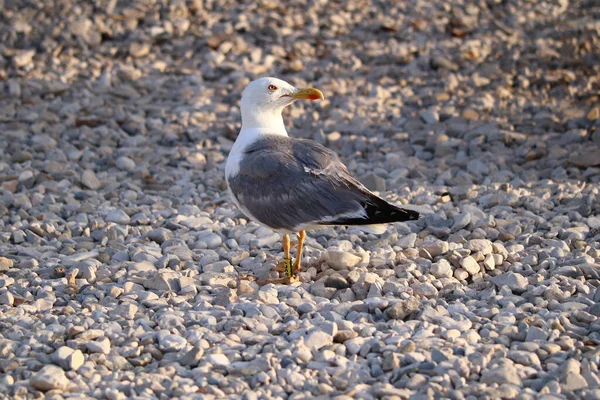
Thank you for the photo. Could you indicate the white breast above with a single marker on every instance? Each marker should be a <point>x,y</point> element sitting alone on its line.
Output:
<point>244,139</point>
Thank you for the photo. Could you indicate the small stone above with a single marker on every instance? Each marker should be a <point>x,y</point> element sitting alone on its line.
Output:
<point>142,267</point>
<point>26,179</point>
<point>588,157</point>
<point>345,295</point>
<point>18,238</point>
<point>226,297</point>
<point>193,357</point>
<point>470,114</point>
<point>353,346</point>
<point>481,245</point>
<point>441,269</point>
<point>451,334</point>
<point>391,361</point>
<point>478,167</point>
<point>505,373</point>
<point>341,260</point>
<point>139,49</point>
<point>218,360</point>
<point>23,58</point>
<point>68,358</point>
<point>573,381</point>
<point>436,248</point>
<point>592,221</point>
<point>303,353</point>
<point>160,235</point>
<point>505,236</point>
<point>212,241</point>
<point>48,378</point>
<point>534,333</point>
<point>6,282</point>
<point>461,274</point>
<point>10,186</point>
<point>343,335</point>
<point>317,340</point>
<point>171,342</point>
<point>515,282</point>
<point>80,27</point>
<point>424,289</point>
<point>219,266</point>
<point>245,288</point>
<point>570,366</point>
<point>594,310</point>
<point>402,309</point>
<point>429,117</point>
<point>306,308</point>
<point>89,334</point>
<point>489,262</point>
<point>197,159</point>
<point>118,217</point>
<point>128,310</point>
<point>528,358</point>
<point>416,381</point>
<point>461,221</point>
<point>594,114</point>
<point>5,264</point>
<point>407,241</point>
<point>7,298</point>
<point>470,265</point>
<point>296,65</point>
<point>125,164</point>
<point>336,281</point>
<point>89,180</point>
<point>100,345</point>
<point>14,88</point>
<point>157,281</point>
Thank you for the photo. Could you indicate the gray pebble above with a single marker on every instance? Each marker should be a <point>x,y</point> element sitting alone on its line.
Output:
<point>118,217</point>
<point>125,164</point>
<point>48,378</point>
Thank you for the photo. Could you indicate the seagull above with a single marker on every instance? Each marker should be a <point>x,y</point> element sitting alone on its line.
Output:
<point>290,184</point>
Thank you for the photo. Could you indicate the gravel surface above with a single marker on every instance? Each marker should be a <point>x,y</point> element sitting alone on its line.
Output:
<point>125,272</point>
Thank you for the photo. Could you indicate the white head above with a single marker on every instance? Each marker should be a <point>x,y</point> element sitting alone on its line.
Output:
<point>264,99</point>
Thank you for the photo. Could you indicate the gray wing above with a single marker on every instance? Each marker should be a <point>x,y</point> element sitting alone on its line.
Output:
<point>285,183</point>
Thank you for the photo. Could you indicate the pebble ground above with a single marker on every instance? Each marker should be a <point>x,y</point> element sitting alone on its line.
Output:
<point>125,271</point>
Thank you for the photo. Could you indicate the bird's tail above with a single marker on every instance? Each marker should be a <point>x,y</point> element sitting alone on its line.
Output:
<point>381,212</point>
<point>378,211</point>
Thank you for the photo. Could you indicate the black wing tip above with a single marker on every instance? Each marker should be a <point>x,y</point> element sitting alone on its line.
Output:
<point>411,215</point>
<point>385,213</point>
<point>390,211</point>
<point>397,214</point>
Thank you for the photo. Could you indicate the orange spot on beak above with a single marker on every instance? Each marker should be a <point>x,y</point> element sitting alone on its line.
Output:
<point>308,94</point>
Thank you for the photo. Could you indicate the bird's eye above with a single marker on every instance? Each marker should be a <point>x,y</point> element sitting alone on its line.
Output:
<point>272,88</point>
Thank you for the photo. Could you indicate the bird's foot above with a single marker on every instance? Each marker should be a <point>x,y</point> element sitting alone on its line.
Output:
<point>287,267</point>
<point>290,270</point>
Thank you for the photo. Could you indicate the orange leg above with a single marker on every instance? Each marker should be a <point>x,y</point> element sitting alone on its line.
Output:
<point>287,259</point>
<point>286,264</point>
<point>301,237</point>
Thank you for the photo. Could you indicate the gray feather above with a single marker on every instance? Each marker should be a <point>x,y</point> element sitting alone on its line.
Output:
<point>285,183</point>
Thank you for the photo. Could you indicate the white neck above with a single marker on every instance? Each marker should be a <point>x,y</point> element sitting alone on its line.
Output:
<point>264,119</point>
<point>259,121</point>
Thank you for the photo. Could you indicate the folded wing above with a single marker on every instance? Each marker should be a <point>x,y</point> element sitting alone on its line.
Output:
<point>287,183</point>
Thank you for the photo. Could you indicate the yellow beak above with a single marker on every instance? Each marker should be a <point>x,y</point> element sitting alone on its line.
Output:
<point>308,94</point>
